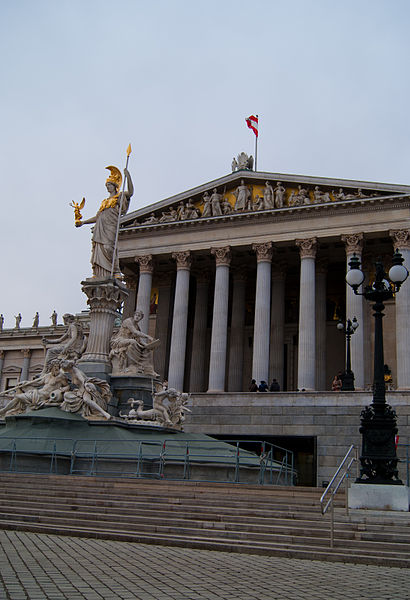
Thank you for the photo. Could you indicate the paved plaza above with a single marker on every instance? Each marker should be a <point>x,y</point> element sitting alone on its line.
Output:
<point>39,566</point>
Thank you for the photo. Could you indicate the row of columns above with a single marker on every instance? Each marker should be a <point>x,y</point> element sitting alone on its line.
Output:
<point>267,361</point>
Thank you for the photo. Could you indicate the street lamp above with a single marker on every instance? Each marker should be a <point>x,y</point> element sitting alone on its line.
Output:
<point>348,376</point>
<point>378,421</point>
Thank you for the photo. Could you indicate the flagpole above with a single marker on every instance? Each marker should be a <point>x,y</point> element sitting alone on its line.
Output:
<point>256,145</point>
<point>119,214</point>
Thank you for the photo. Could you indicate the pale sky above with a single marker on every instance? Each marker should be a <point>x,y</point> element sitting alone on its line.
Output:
<point>80,79</point>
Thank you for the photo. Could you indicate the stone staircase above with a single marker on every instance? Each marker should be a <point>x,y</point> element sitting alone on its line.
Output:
<point>269,520</point>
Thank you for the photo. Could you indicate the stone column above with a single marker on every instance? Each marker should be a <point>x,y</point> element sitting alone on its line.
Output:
<point>321,272</point>
<point>235,368</point>
<point>104,299</point>
<point>179,321</point>
<point>261,330</point>
<point>277,325</point>
<point>307,315</point>
<point>217,360</point>
<point>354,308</point>
<point>197,378</point>
<point>401,242</point>
<point>26,352</point>
<point>129,304</point>
<point>144,289</point>
<point>162,323</point>
<point>1,365</point>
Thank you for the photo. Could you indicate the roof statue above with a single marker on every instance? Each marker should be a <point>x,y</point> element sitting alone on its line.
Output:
<point>242,162</point>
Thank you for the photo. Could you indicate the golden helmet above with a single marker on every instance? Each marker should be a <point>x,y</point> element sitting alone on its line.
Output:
<point>114,177</point>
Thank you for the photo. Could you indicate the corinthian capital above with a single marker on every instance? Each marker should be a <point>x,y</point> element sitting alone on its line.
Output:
<point>131,282</point>
<point>263,251</point>
<point>353,242</point>
<point>26,352</point>
<point>183,260</point>
<point>145,263</point>
<point>2,354</point>
<point>401,239</point>
<point>222,256</point>
<point>307,247</point>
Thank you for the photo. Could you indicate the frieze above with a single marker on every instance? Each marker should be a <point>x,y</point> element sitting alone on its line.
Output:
<point>222,256</point>
<point>307,247</point>
<point>247,199</point>
<point>401,239</point>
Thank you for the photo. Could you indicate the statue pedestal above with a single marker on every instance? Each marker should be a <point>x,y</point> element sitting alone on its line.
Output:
<point>124,387</point>
<point>104,298</point>
<point>379,497</point>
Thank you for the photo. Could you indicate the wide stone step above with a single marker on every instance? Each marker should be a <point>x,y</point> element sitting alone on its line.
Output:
<point>217,522</point>
<point>267,534</point>
<point>135,509</point>
<point>154,486</point>
<point>291,551</point>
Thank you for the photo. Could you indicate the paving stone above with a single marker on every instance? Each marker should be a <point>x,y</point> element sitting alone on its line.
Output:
<point>58,567</point>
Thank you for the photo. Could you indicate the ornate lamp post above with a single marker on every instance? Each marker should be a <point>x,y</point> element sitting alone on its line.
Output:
<point>378,421</point>
<point>348,377</point>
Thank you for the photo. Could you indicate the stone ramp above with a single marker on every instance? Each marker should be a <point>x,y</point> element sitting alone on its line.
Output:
<point>271,520</point>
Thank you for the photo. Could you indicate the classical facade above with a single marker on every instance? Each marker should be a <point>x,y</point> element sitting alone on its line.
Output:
<point>246,275</point>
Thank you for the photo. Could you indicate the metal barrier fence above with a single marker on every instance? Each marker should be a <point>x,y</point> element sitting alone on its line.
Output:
<point>167,459</point>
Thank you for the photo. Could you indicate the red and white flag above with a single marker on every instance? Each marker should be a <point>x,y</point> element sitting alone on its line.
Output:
<point>252,123</point>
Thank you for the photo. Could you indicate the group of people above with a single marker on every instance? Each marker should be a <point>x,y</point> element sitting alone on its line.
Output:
<point>264,387</point>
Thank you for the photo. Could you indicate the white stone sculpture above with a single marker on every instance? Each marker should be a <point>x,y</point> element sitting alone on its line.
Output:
<point>243,197</point>
<point>268,199</point>
<point>18,321</point>
<point>90,395</point>
<point>70,345</point>
<point>226,207</point>
<point>48,388</point>
<point>207,212</point>
<point>53,318</point>
<point>151,220</point>
<point>280,192</point>
<point>216,203</point>
<point>131,349</point>
<point>168,410</point>
<point>36,321</point>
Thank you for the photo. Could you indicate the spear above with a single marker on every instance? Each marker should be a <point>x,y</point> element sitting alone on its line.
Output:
<point>119,214</point>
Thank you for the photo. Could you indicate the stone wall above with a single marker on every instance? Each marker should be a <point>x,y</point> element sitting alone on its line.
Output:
<point>332,418</point>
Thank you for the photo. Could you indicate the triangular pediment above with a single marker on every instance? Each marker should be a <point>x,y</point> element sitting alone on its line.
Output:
<point>246,192</point>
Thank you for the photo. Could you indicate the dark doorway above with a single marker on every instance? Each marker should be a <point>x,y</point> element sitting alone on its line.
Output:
<point>303,447</point>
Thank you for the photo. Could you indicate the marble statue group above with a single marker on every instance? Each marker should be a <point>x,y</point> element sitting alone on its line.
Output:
<point>64,382</point>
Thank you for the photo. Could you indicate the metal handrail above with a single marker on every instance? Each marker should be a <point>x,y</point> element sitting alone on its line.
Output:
<point>333,490</point>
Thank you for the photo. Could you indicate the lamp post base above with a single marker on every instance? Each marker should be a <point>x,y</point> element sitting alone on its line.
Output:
<point>379,497</point>
<point>378,460</point>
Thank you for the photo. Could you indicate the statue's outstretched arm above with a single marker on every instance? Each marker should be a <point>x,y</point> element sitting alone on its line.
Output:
<point>89,221</point>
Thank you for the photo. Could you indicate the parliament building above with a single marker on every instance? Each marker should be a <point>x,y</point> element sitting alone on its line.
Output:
<point>243,278</point>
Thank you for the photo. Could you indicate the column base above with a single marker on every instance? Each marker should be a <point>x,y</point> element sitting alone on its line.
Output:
<point>379,497</point>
